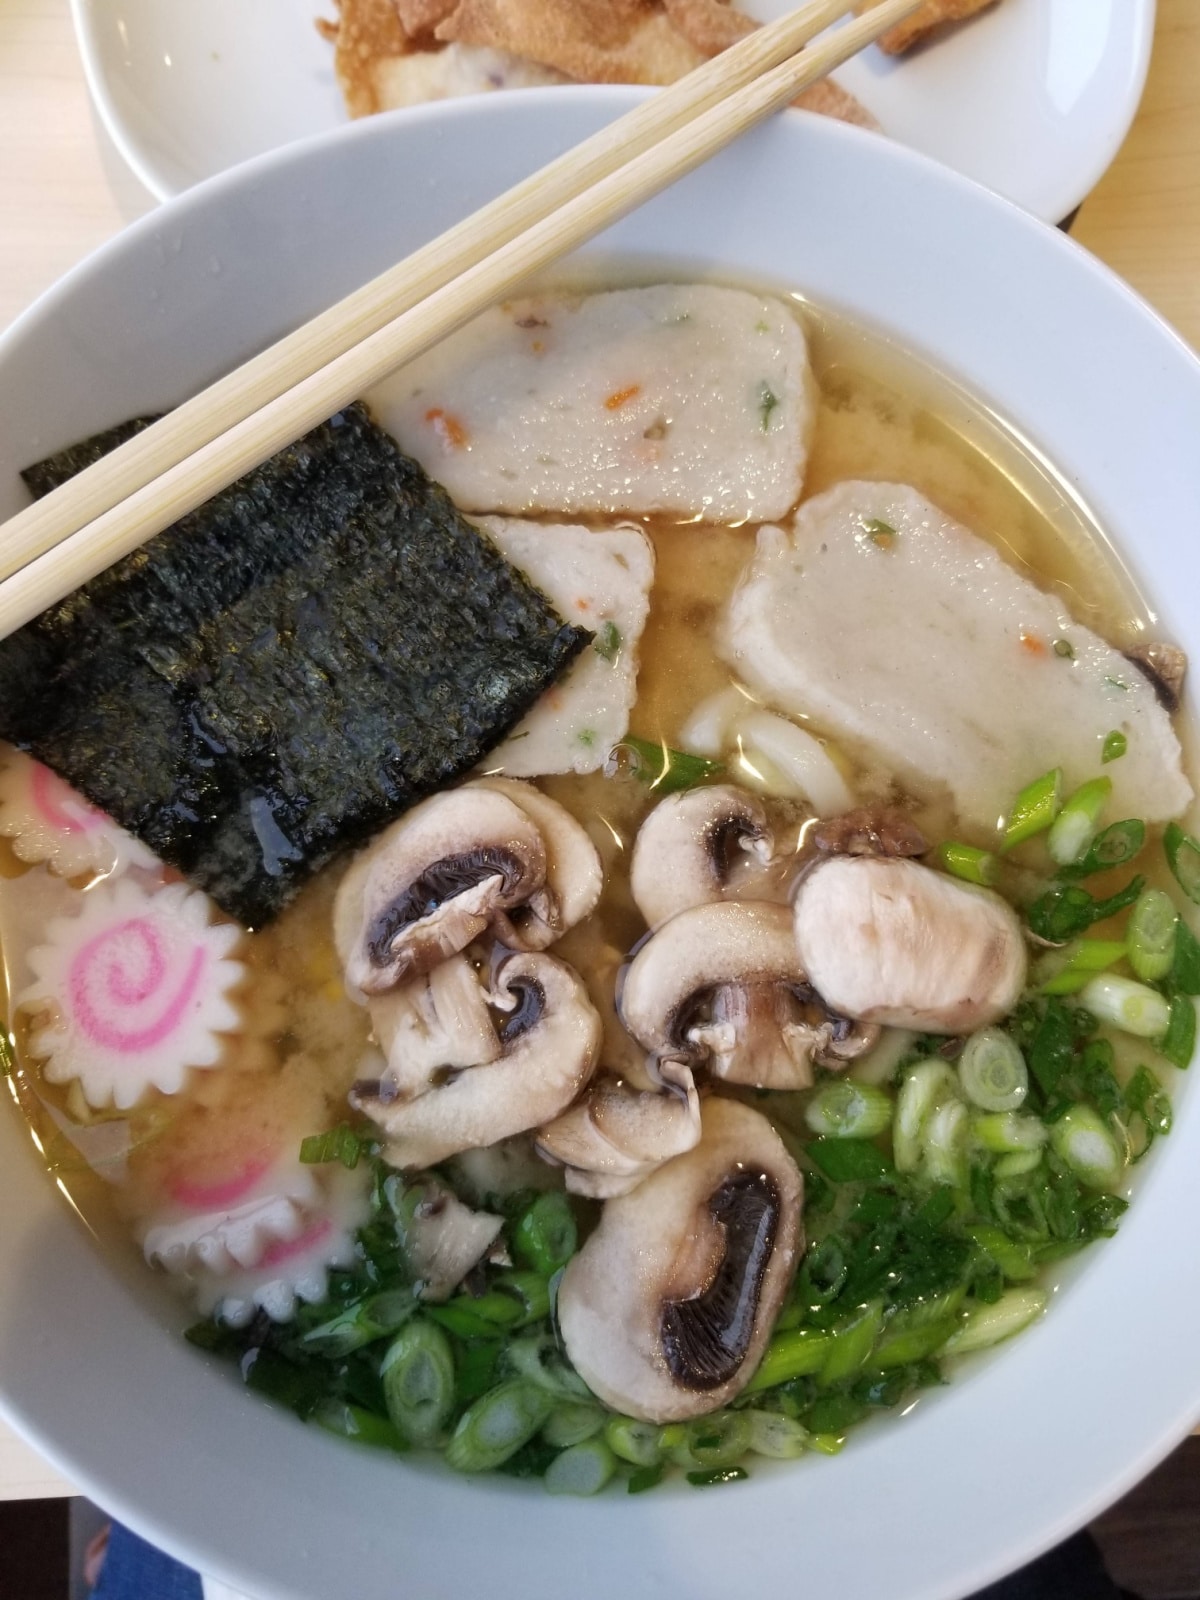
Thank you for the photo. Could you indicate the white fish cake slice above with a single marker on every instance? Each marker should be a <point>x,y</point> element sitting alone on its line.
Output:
<point>600,579</point>
<point>903,634</point>
<point>691,400</point>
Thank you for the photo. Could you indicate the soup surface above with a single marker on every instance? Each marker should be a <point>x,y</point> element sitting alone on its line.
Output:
<point>858,1225</point>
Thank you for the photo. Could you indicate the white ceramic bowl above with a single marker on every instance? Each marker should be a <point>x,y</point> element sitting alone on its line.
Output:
<point>983,1474</point>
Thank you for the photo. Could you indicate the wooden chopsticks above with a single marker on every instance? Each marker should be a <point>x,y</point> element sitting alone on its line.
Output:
<point>56,545</point>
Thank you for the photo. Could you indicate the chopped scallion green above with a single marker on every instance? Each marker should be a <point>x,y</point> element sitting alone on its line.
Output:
<point>1034,809</point>
<point>845,1109</point>
<point>1077,823</point>
<point>1151,935</point>
<point>1089,1146</point>
<point>667,771</point>
<point>1131,1006</point>
<point>1115,745</point>
<point>1178,1043</point>
<point>1183,857</point>
<point>992,1071</point>
<point>969,863</point>
<point>986,1325</point>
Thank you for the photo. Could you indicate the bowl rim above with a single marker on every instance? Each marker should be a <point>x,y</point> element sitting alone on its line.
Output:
<point>1029,1508</point>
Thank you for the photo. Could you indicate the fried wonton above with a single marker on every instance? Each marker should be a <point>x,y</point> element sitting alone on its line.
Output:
<point>924,20</point>
<point>398,52</point>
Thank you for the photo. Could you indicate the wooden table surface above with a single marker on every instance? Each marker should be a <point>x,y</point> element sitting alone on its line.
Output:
<point>64,190</point>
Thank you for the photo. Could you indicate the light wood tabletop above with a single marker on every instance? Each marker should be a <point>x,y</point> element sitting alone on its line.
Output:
<point>64,190</point>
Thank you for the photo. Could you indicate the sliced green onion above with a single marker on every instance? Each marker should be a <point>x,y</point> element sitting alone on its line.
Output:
<point>1034,809</point>
<point>986,1325</point>
<point>497,1425</point>
<point>1147,1102</point>
<point>717,1440</point>
<point>1078,822</point>
<point>1066,909</point>
<point>1017,1163</point>
<point>361,1323</point>
<point>1118,843</point>
<point>607,643</point>
<point>710,1477</point>
<point>640,1443</point>
<point>848,1160</point>
<point>777,1436</point>
<point>544,1236</point>
<point>1151,935</point>
<point>355,1422</point>
<point>851,1343</point>
<point>1185,969</point>
<point>536,1357</point>
<point>797,1353</point>
<point>1131,1006</point>
<point>1015,1260</point>
<point>901,1345</point>
<point>1006,1132</point>
<point>583,1468</point>
<point>667,771</point>
<point>1178,1044</point>
<point>844,1109</point>
<point>1068,970</point>
<point>992,1071</point>
<point>337,1144</point>
<point>645,1478</point>
<point>1115,746</point>
<point>944,1143</point>
<point>1183,857</point>
<point>1088,1145</point>
<point>418,1381</point>
<point>923,1087</point>
<point>969,863</point>
<point>572,1423</point>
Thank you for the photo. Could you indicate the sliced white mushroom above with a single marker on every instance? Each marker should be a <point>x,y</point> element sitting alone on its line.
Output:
<point>434,881</point>
<point>574,874</point>
<point>442,1239</point>
<point>437,1021</point>
<point>549,1046</point>
<point>704,845</point>
<point>666,1310</point>
<point>887,940</point>
<point>617,1135</point>
<point>722,984</point>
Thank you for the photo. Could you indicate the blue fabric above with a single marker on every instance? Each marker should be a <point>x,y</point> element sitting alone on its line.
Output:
<point>135,1570</point>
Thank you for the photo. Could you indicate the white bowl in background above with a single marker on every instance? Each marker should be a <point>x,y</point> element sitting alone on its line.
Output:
<point>1031,97</point>
<point>984,1473</point>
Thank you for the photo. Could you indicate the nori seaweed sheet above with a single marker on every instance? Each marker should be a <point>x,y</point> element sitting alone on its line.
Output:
<point>320,646</point>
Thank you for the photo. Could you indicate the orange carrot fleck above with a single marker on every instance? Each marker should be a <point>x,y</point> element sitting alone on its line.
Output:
<point>583,603</point>
<point>618,398</point>
<point>448,427</point>
<point>1031,642</point>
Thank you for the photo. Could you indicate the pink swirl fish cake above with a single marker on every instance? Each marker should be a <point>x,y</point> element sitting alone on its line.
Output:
<point>49,821</point>
<point>132,992</point>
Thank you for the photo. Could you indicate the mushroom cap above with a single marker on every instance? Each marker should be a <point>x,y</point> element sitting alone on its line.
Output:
<point>549,1048</point>
<point>703,948</point>
<point>887,940</point>
<point>432,882</point>
<point>696,847</point>
<point>667,1309</point>
<point>574,873</point>
<point>616,1135</point>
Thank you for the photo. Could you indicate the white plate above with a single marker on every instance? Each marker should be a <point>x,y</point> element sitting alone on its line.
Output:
<point>1032,98</point>
<point>985,1472</point>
